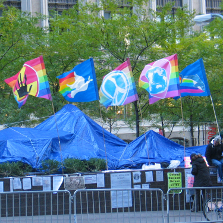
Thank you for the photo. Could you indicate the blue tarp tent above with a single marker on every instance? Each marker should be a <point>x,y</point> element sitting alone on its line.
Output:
<point>153,145</point>
<point>89,139</point>
<point>28,145</point>
<point>80,137</point>
<point>196,149</point>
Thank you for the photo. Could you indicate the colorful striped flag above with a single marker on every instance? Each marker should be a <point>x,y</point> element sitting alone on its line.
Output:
<point>30,80</point>
<point>193,80</point>
<point>161,79</point>
<point>118,87</point>
<point>79,84</point>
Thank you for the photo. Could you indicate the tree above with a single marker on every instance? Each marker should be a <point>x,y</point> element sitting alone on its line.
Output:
<point>140,34</point>
<point>20,41</point>
<point>134,31</point>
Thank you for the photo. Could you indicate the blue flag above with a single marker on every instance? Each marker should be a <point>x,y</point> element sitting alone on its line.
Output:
<point>193,80</point>
<point>79,84</point>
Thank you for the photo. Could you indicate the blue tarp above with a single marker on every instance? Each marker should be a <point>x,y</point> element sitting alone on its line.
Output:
<point>89,139</point>
<point>28,145</point>
<point>159,148</point>
<point>80,137</point>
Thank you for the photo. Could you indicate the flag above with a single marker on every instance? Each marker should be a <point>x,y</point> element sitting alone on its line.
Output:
<point>193,80</point>
<point>118,87</point>
<point>79,84</point>
<point>161,79</point>
<point>30,80</point>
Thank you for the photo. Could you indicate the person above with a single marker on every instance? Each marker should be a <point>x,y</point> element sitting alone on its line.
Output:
<point>201,179</point>
<point>213,155</point>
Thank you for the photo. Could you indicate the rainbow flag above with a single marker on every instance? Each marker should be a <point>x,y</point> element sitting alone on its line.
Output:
<point>30,80</point>
<point>193,80</point>
<point>161,79</point>
<point>118,87</point>
<point>79,84</point>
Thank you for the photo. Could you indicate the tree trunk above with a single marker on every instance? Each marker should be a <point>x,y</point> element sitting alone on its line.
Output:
<point>192,130</point>
<point>162,125</point>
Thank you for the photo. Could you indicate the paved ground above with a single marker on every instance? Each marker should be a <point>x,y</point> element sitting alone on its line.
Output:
<point>139,217</point>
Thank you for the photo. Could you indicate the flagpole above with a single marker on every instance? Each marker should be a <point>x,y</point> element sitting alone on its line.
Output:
<point>182,122</point>
<point>103,136</point>
<point>215,114</point>
<point>58,137</point>
<point>144,132</point>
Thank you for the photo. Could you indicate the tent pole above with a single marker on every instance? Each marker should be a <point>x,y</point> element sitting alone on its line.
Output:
<point>215,114</point>
<point>103,136</point>
<point>144,131</point>
<point>58,137</point>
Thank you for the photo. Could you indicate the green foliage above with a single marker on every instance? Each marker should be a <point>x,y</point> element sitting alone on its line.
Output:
<point>74,165</point>
<point>143,36</point>
<point>70,165</point>
<point>14,169</point>
<point>50,166</point>
<point>95,164</point>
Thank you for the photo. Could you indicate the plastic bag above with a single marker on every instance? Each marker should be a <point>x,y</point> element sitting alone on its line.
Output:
<point>174,164</point>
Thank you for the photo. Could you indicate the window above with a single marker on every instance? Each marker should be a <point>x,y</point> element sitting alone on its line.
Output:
<point>213,6</point>
<point>180,141</point>
<point>122,4</point>
<point>16,4</point>
<point>107,15</point>
<point>60,5</point>
<point>161,3</point>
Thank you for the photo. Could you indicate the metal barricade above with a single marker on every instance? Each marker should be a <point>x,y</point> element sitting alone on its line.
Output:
<point>118,205</point>
<point>203,204</point>
<point>35,206</point>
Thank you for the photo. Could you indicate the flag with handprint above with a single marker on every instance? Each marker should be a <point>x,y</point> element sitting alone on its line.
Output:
<point>30,80</point>
<point>118,87</point>
<point>161,79</point>
<point>79,84</point>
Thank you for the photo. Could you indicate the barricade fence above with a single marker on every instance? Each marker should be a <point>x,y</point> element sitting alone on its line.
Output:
<point>206,203</point>
<point>113,205</point>
<point>35,206</point>
<point>118,205</point>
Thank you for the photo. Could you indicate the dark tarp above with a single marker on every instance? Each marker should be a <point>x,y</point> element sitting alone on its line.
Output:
<point>82,138</point>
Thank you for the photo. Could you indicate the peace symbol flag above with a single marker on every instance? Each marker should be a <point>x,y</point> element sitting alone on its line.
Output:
<point>118,87</point>
<point>30,80</point>
<point>193,80</point>
<point>161,79</point>
<point>79,84</point>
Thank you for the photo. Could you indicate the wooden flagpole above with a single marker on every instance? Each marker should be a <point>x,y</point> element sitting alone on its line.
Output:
<point>58,137</point>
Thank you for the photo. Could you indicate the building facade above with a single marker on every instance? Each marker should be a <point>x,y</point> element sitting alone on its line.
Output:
<point>44,6</point>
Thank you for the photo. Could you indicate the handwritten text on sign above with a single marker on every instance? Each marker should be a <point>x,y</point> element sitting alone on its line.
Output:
<point>174,181</point>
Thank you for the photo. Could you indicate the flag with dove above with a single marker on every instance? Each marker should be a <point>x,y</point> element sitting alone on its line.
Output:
<point>79,84</point>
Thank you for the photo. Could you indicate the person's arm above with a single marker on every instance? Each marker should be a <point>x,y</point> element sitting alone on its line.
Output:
<point>208,155</point>
<point>194,169</point>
